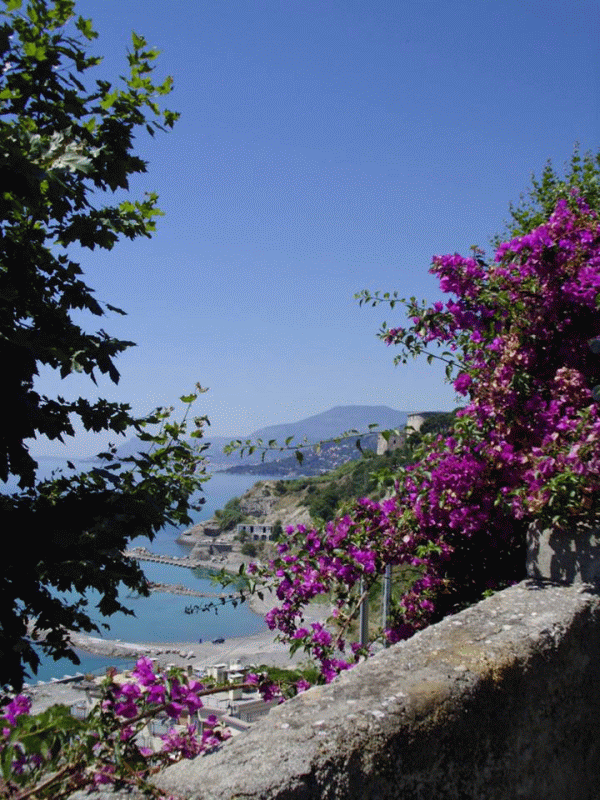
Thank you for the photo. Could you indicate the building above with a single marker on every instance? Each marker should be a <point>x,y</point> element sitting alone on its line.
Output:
<point>394,441</point>
<point>397,439</point>
<point>256,532</point>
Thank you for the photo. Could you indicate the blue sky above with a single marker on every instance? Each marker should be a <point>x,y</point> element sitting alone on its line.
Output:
<point>323,148</point>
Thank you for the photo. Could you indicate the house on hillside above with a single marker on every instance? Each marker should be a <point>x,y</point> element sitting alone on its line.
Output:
<point>255,532</point>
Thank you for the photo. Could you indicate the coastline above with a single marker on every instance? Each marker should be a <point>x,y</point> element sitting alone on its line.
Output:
<point>256,649</point>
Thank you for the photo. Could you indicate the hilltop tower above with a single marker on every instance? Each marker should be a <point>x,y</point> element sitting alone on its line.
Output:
<point>414,422</point>
<point>393,443</point>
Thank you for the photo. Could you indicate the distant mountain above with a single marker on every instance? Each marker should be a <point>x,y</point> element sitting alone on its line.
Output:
<point>326,425</point>
<point>331,423</point>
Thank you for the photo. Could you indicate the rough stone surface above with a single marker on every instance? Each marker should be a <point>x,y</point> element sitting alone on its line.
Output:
<point>498,702</point>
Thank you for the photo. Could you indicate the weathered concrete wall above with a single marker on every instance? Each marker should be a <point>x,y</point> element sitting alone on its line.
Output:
<point>563,557</point>
<point>501,701</point>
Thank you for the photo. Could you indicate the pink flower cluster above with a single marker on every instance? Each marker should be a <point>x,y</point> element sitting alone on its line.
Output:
<point>21,704</point>
<point>149,692</point>
<point>185,743</point>
<point>127,700</point>
<point>110,733</point>
<point>526,447</point>
<point>353,547</point>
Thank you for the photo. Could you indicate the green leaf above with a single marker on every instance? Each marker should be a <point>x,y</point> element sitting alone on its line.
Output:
<point>109,100</point>
<point>138,41</point>
<point>67,139</point>
<point>85,27</point>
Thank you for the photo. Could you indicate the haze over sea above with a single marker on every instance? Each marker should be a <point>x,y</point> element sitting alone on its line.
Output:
<point>161,617</point>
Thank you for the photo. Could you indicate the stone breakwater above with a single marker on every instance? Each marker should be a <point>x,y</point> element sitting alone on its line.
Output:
<point>230,561</point>
<point>177,588</point>
<point>113,648</point>
<point>141,554</point>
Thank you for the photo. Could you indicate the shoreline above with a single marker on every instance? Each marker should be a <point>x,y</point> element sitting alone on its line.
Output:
<point>253,650</point>
<point>256,648</point>
<point>261,647</point>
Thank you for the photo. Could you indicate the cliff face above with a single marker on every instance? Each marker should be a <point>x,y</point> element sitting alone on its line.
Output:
<point>264,502</point>
<point>259,501</point>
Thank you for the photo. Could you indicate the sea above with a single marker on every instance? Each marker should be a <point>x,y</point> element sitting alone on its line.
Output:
<point>162,617</point>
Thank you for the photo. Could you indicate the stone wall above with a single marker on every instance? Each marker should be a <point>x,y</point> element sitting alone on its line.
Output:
<point>501,701</point>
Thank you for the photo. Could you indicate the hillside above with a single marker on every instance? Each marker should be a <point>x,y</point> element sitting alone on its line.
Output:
<point>315,462</point>
<point>305,500</point>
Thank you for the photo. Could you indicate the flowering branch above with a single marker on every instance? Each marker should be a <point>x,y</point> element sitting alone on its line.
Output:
<point>523,339</point>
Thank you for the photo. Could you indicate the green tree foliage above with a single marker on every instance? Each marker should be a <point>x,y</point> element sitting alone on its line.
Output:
<point>230,515</point>
<point>249,549</point>
<point>323,505</point>
<point>581,173</point>
<point>369,476</point>
<point>439,423</point>
<point>64,146</point>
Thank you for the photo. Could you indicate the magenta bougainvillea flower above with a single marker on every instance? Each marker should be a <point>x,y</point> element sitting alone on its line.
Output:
<point>526,446</point>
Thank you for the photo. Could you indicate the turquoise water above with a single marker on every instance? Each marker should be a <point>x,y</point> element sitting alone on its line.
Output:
<point>161,617</point>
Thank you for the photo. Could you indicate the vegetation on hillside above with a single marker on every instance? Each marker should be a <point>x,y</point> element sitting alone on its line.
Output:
<point>316,459</point>
<point>230,515</point>
<point>325,495</point>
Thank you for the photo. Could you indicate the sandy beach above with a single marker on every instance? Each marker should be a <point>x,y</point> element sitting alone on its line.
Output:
<point>257,649</point>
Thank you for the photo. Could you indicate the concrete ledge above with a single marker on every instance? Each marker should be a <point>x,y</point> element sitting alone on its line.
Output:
<point>501,701</point>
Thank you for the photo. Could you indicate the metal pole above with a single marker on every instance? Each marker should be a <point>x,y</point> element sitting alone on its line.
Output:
<point>386,596</point>
<point>364,617</point>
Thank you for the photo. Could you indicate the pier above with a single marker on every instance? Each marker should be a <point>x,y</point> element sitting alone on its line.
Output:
<point>141,554</point>
<point>173,588</point>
